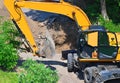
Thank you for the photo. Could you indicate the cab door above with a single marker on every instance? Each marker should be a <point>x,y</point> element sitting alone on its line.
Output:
<point>107,45</point>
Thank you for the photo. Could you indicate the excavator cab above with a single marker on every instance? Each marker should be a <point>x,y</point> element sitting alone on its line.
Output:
<point>97,43</point>
<point>96,55</point>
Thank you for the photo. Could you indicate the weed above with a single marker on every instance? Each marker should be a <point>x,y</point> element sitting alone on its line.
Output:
<point>37,73</point>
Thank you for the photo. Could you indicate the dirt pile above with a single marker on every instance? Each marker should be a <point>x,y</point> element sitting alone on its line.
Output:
<point>62,30</point>
<point>64,33</point>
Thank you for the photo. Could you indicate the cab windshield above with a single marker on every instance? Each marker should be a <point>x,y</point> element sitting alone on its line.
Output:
<point>104,43</point>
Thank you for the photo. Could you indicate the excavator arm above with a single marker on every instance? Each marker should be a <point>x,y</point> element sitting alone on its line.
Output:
<point>14,7</point>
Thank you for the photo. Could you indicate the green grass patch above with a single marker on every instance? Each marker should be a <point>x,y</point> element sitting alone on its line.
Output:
<point>8,77</point>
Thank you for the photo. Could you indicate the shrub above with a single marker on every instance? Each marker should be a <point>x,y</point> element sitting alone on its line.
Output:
<point>109,25</point>
<point>8,53</point>
<point>37,73</point>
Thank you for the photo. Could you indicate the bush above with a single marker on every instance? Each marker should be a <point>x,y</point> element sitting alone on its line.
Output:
<point>37,73</point>
<point>109,25</point>
<point>8,53</point>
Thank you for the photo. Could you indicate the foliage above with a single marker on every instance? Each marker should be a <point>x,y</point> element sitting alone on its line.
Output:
<point>93,10</point>
<point>8,53</point>
<point>8,77</point>
<point>37,73</point>
<point>113,10</point>
<point>109,25</point>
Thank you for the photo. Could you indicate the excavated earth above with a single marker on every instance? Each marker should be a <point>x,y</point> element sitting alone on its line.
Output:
<point>64,34</point>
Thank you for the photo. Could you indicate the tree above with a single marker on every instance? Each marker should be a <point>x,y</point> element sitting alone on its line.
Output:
<point>103,9</point>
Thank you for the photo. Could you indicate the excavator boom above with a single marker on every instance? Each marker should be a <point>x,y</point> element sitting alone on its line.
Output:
<point>59,8</point>
<point>64,8</point>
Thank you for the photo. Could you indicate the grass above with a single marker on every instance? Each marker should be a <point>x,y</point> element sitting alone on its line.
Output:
<point>8,77</point>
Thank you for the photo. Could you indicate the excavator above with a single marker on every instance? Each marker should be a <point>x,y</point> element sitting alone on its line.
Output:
<point>97,54</point>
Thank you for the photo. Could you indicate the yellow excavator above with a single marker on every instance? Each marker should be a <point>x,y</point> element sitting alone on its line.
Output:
<point>97,53</point>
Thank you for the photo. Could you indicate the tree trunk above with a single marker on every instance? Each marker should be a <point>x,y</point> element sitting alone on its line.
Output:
<point>103,10</point>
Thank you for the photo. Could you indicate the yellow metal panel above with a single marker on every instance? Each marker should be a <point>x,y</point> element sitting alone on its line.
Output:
<point>20,19</point>
<point>93,38</point>
<point>27,32</point>
<point>118,38</point>
<point>118,55</point>
<point>96,60</point>
<point>112,39</point>
<point>12,10</point>
<point>59,8</point>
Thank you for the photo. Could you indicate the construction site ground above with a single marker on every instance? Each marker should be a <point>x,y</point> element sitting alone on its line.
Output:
<point>63,33</point>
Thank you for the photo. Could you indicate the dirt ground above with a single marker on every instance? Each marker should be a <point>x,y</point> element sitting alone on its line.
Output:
<point>62,29</point>
<point>63,32</point>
